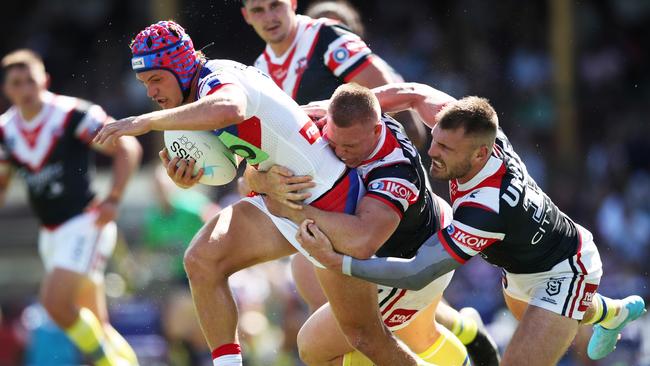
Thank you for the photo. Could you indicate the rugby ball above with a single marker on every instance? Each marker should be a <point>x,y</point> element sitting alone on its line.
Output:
<point>218,162</point>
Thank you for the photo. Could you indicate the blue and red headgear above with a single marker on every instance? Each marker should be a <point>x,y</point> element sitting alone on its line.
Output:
<point>165,45</point>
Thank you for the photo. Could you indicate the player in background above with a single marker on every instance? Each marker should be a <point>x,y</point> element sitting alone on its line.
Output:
<point>308,58</point>
<point>258,121</point>
<point>551,265</point>
<point>396,215</point>
<point>47,139</point>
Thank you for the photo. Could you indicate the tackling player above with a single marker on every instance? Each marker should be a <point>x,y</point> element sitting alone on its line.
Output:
<point>47,139</point>
<point>257,120</point>
<point>395,216</point>
<point>551,265</point>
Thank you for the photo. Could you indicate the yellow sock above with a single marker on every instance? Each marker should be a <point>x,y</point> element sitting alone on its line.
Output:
<point>465,329</point>
<point>607,312</point>
<point>446,350</point>
<point>86,333</point>
<point>356,358</point>
<point>120,345</point>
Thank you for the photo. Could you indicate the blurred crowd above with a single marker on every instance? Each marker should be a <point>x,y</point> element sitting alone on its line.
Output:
<point>499,50</point>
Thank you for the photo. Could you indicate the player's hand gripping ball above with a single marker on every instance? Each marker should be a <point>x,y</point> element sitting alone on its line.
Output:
<point>218,162</point>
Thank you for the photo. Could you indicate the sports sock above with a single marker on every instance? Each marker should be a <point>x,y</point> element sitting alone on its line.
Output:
<point>227,355</point>
<point>446,350</point>
<point>356,358</point>
<point>86,333</point>
<point>465,329</point>
<point>609,313</point>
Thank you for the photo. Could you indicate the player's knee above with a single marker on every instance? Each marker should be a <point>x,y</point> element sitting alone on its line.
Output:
<point>306,344</point>
<point>205,262</point>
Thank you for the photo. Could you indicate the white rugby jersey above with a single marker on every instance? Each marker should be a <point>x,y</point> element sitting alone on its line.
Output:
<point>323,56</point>
<point>276,130</point>
<point>51,153</point>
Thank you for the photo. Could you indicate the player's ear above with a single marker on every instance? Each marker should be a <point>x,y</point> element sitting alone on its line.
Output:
<point>482,153</point>
<point>294,5</point>
<point>244,13</point>
<point>377,129</point>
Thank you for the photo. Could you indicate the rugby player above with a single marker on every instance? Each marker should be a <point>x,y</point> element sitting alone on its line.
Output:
<point>308,58</point>
<point>550,263</point>
<point>396,215</point>
<point>47,139</point>
<point>257,120</point>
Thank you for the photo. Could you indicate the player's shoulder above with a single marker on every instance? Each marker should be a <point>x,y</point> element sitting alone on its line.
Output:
<point>332,28</point>
<point>7,116</point>
<point>66,103</point>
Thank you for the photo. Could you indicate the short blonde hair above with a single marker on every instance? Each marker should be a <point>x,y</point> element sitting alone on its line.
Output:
<point>22,58</point>
<point>352,104</point>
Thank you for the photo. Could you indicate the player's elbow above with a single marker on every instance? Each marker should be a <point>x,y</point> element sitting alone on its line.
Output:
<point>364,247</point>
<point>229,112</point>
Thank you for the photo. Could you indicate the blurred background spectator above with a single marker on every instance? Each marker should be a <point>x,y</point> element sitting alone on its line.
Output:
<point>569,80</point>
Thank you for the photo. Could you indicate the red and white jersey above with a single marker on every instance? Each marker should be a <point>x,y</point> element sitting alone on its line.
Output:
<point>323,56</point>
<point>51,153</point>
<point>276,130</point>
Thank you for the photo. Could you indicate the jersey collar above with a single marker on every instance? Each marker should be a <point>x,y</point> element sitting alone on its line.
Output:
<point>491,167</point>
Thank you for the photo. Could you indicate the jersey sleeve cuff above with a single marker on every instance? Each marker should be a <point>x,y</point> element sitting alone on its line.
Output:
<point>354,72</point>
<point>387,203</point>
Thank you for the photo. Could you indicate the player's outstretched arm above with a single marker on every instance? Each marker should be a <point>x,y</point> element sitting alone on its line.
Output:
<point>225,107</point>
<point>430,262</point>
<point>423,99</point>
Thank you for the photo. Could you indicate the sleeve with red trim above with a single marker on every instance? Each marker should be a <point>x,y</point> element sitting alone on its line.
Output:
<point>91,118</point>
<point>430,262</point>
<point>473,230</point>
<point>396,185</point>
<point>213,81</point>
<point>347,54</point>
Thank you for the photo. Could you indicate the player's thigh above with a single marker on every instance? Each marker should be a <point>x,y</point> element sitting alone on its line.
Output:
<point>61,287</point>
<point>304,276</point>
<point>353,301</point>
<point>238,237</point>
<point>517,307</point>
<point>320,339</point>
<point>541,338</point>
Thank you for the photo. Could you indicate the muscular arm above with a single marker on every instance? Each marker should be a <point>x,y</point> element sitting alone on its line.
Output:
<point>423,99</point>
<point>377,73</point>
<point>430,262</point>
<point>359,235</point>
<point>227,106</point>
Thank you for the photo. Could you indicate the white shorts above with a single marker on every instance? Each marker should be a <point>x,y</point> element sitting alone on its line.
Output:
<point>567,288</point>
<point>78,245</point>
<point>342,197</point>
<point>399,306</point>
<point>284,225</point>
